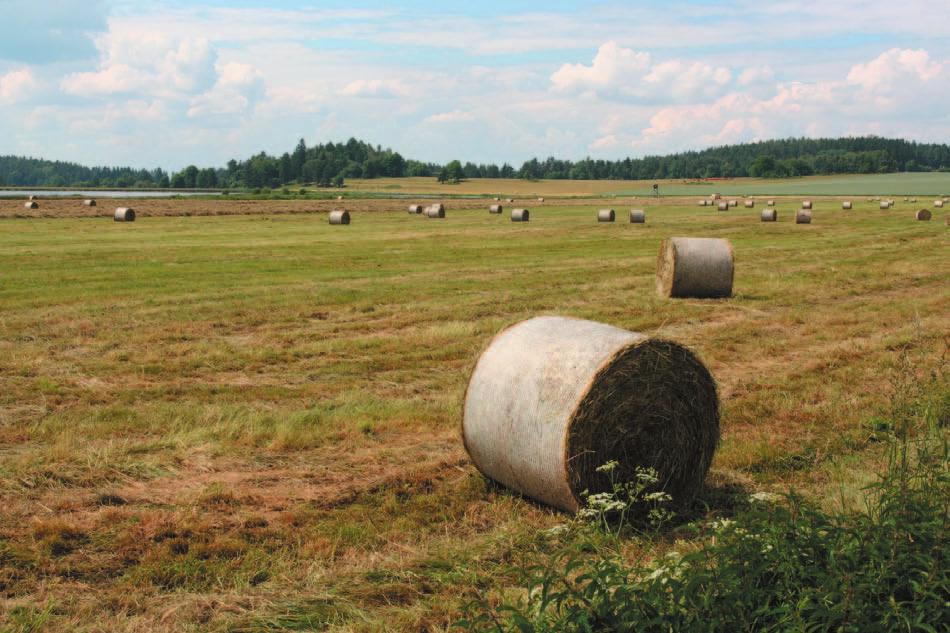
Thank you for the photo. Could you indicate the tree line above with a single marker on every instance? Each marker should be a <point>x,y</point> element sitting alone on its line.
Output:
<point>330,164</point>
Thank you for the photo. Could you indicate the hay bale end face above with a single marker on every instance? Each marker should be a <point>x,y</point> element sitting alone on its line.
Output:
<point>750,204</point>
<point>606,215</point>
<point>496,208</point>
<point>723,206</point>
<point>520,215</point>
<point>31,205</point>
<point>806,204</point>
<point>884,204</point>
<point>415,209</point>
<point>923,215</point>
<point>435,211</point>
<point>700,267</point>
<point>846,205</point>
<point>89,203</point>
<point>124,214</point>
<point>803,216</point>
<point>551,399</point>
<point>769,215</point>
<point>638,216</point>
<point>339,216</point>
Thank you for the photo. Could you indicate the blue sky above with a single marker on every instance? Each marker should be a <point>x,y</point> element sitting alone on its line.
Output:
<point>171,83</point>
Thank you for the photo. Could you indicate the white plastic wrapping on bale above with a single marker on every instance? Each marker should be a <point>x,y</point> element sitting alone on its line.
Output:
<point>803,216</point>
<point>520,215</point>
<point>638,216</point>
<point>124,214</point>
<point>606,215</point>
<point>923,215</point>
<point>701,267</point>
<point>496,208</point>
<point>339,216</point>
<point>769,215</point>
<point>846,205</point>
<point>415,208</point>
<point>526,393</point>
<point>806,204</point>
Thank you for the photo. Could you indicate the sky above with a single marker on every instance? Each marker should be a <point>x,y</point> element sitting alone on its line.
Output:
<point>170,83</point>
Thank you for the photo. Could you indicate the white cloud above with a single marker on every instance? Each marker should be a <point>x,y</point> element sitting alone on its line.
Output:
<point>896,69</point>
<point>238,88</point>
<point>16,86</point>
<point>375,88</point>
<point>454,116</point>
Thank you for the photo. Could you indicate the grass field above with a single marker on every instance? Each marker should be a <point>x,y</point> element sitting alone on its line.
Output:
<point>251,423</point>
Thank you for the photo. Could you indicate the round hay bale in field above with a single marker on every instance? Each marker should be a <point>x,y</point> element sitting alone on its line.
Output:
<point>552,399</point>
<point>703,202</point>
<point>520,215</point>
<point>905,199</point>
<point>884,204</point>
<point>700,267</point>
<point>806,204</point>
<point>540,199</point>
<point>938,203</point>
<point>31,197</point>
<point>497,199</point>
<point>339,197</point>
<point>638,216</point>
<point>870,199</point>
<point>723,206</point>
<point>913,200</point>
<point>509,200</point>
<point>733,203</point>
<point>89,203</point>
<point>769,215</point>
<point>496,208</point>
<point>923,215</point>
<point>435,211</point>
<point>339,216</point>
<point>415,209</point>
<point>770,203</point>
<point>803,216</point>
<point>716,196</point>
<point>31,204</point>
<point>846,205</point>
<point>750,204</point>
<point>124,214</point>
<point>606,215</point>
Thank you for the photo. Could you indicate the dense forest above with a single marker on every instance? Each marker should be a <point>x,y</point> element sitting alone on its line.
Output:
<point>331,164</point>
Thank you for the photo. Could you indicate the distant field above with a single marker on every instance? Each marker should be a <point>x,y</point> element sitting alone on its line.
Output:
<point>251,422</point>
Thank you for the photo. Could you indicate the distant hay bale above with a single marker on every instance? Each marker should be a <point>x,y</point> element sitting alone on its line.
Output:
<point>124,214</point>
<point>520,215</point>
<point>31,204</point>
<point>913,199</point>
<point>31,197</point>
<point>806,204</point>
<point>770,203</point>
<point>750,204</point>
<point>552,399</point>
<point>415,208</point>
<point>723,206</point>
<point>733,203</point>
<point>339,197</point>
<point>923,215</point>
<point>496,208</point>
<point>846,205</point>
<point>435,210</point>
<point>703,202</point>
<point>938,203</point>
<point>716,196</point>
<point>870,199</point>
<point>700,267</point>
<point>540,199</point>
<point>509,200</point>
<point>89,203</point>
<point>497,199</point>
<point>606,215</point>
<point>638,216</point>
<point>884,204</point>
<point>803,216</point>
<point>769,215</point>
<point>339,216</point>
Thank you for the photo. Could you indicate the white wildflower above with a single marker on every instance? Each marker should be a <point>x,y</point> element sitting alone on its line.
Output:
<point>764,497</point>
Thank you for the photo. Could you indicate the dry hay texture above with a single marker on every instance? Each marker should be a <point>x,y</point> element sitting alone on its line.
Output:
<point>701,267</point>
<point>923,215</point>
<point>415,209</point>
<point>435,210</point>
<point>520,215</point>
<point>846,205</point>
<point>552,398</point>
<point>638,216</point>
<point>803,216</point>
<point>339,216</point>
<point>606,215</point>
<point>124,214</point>
<point>769,215</point>
<point>496,208</point>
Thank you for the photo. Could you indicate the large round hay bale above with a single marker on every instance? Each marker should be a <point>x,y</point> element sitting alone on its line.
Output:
<point>923,215</point>
<point>638,216</point>
<point>769,215</point>
<point>540,199</point>
<point>803,216</point>
<point>885,204</point>
<point>124,214</point>
<point>509,199</point>
<point>703,202</point>
<point>520,215</point>
<point>733,203</point>
<point>770,203</point>
<point>606,215</point>
<point>938,203</point>
<point>435,210</point>
<point>846,205</point>
<point>750,204</point>
<point>723,206</point>
<point>415,208</point>
<point>31,204</point>
<point>552,399</point>
<point>89,203</point>
<point>700,267</point>
<point>339,216</point>
<point>806,204</point>
<point>716,196</point>
<point>496,208</point>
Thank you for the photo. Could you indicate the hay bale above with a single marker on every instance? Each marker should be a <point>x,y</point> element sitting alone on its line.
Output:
<point>803,216</point>
<point>884,204</point>
<point>435,210</point>
<point>770,203</point>
<point>124,214</point>
<point>31,204</point>
<point>520,215</point>
<point>31,197</point>
<point>540,199</point>
<point>750,204</point>
<point>551,399</point>
<point>509,199</point>
<point>846,205</point>
<point>723,206</point>
<point>938,203</point>
<point>339,216</point>
<point>496,208</point>
<point>89,203</point>
<point>806,204</point>
<point>699,267</point>
<point>733,203</point>
<point>606,215</point>
<point>716,196</point>
<point>923,215</point>
<point>913,200</point>
<point>769,215</point>
<point>703,202</point>
<point>339,197</point>
<point>638,216</point>
<point>415,209</point>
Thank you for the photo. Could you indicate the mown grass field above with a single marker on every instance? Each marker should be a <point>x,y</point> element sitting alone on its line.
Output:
<point>251,423</point>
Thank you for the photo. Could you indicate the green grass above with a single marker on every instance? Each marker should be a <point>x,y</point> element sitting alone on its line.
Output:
<point>899,184</point>
<point>251,423</point>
